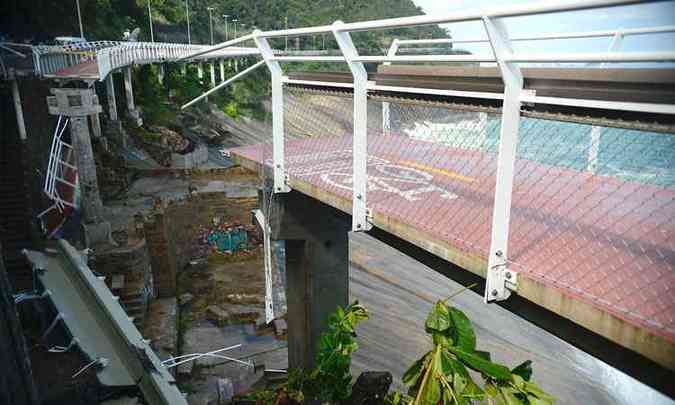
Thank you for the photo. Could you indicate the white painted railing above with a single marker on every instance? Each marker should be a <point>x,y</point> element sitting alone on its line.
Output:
<point>500,278</point>
<point>112,55</point>
<point>60,168</point>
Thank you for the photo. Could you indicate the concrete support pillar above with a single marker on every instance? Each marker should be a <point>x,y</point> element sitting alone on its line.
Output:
<point>129,90</point>
<point>92,207</point>
<point>200,71</point>
<point>18,109</point>
<point>222,70</point>
<point>131,105</point>
<point>183,69</point>
<point>317,269</point>
<point>79,105</point>
<point>212,68</point>
<point>236,65</point>
<point>161,73</point>
<point>95,125</point>
<point>112,100</point>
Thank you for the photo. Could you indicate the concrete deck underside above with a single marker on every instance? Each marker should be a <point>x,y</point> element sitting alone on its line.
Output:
<point>591,248</point>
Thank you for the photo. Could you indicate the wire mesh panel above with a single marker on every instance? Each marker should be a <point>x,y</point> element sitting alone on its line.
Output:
<point>318,130</point>
<point>594,214</point>
<point>435,170</point>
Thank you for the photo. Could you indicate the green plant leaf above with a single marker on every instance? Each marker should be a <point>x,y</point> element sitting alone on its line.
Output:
<point>509,396</point>
<point>465,337</point>
<point>413,374</point>
<point>441,339</point>
<point>478,363</point>
<point>431,391</point>
<point>532,388</point>
<point>438,318</point>
<point>524,370</point>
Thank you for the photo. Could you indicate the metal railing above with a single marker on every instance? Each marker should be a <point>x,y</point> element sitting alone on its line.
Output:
<point>501,276</point>
<point>112,55</point>
<point>61,175</point>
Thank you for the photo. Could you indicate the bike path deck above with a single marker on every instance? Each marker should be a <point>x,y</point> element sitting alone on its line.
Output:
<point>597,250</point>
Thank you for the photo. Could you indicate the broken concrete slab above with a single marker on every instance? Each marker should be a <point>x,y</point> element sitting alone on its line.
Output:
<point>280,327</point>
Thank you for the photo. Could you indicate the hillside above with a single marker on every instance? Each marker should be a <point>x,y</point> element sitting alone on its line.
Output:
<point>108,19</point>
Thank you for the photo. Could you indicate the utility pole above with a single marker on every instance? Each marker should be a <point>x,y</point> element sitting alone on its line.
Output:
<point>152,35</point>
<point>225,16</point>
<point>210,9</point>
<point>187,14</point>
<point>79,19</point>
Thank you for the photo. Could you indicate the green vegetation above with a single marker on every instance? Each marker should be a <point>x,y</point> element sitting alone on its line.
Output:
<point>442,376</point>
<point>331,380</point>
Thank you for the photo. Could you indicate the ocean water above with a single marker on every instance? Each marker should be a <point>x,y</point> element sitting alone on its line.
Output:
<point>646,157</point>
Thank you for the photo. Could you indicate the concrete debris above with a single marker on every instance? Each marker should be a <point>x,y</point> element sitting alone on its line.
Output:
<point>233,314</point>
<point>280,327</point>
<point>225,391</point>
<point>185,298</point>
<point>170,138</point>
<point>217,315</point>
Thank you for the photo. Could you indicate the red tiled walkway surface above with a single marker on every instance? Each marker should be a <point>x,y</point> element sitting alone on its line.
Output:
<point>608,242</point>
<point>84,71</point>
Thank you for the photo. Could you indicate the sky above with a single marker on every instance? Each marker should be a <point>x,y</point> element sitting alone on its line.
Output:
<point>632,16</point>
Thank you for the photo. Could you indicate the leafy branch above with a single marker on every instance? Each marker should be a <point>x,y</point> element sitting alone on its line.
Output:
<point>441,376</point>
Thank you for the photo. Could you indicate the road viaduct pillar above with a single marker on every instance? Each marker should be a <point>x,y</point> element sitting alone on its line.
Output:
<point>78,105</point>
<point>317,268</point>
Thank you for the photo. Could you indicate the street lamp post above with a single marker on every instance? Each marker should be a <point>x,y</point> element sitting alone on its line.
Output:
<point>152,35</point>
<point>187,15</point>
<point>79,19</point>
<point>210,9</point>
<point>225,16</point>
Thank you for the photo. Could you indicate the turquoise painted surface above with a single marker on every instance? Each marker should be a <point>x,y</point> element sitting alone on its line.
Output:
<point>641,156</point>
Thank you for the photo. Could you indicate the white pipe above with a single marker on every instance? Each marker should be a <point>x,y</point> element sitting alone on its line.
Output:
<point>426,58</point>
<point>318,83</point>
<point>195,356</point>
<point>570,35</point>
<point>217,47</point>
<point>592,57</point>
<point>223,84</point>
<point>308,58</point>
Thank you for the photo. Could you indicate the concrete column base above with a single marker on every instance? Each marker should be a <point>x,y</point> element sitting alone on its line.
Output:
<point>317,269</point>
<point>135,118</point>
<point>97,233</point>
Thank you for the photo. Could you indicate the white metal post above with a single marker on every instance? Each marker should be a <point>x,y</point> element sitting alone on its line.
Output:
<point>266,52</point>
<point>222,71</point>
<point>360,220</point>
<point>18,109</point>
<point>128,88</point>
<point>594,147</point>
<point>386,120</point>
<point>498,274</point>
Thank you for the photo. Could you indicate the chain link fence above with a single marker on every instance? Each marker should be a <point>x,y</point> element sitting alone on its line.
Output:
<point>593,209</point>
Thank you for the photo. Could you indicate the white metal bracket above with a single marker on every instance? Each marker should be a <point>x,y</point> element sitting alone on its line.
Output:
<point>360,220</point>
<point>279,170</point>
<point>499,278</point>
